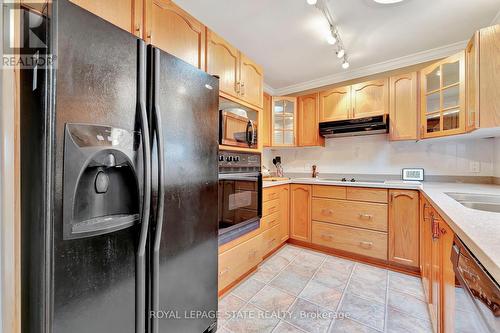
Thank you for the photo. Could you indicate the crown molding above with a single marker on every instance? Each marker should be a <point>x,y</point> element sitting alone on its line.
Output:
<point>380,67</point>
<point>269,90</point>
<point>496,19</point>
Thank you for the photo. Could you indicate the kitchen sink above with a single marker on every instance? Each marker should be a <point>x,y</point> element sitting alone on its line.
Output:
<point>485,202</point>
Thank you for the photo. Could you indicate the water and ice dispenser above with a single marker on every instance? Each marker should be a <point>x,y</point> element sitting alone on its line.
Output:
<point>101,185</point>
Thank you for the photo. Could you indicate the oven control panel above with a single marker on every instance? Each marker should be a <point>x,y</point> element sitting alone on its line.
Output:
<point>239,160</point>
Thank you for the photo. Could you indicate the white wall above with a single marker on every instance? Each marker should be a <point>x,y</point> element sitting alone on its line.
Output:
<point>376,155</point>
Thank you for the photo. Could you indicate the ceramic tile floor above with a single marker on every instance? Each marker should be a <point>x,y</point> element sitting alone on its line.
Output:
<point>298,290</point>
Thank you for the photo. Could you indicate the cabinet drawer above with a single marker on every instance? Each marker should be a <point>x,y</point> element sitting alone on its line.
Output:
<point>270,239</point>
<point>328,191</point>
<point>356,214</point>
<point>270,193</point>
<point>365,242</point>
<point>367,194</point>
<point>269,221</point>
<point>240,259</point>
<point>270,207</point>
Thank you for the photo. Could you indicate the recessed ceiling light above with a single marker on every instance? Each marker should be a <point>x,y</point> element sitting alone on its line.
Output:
<point>387,2</point>
<point>312,2</point>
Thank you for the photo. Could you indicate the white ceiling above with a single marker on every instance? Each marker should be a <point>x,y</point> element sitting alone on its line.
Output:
<point>287,37</point>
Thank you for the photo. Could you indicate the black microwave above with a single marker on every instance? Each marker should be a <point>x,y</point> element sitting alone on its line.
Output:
<point>237,125</point>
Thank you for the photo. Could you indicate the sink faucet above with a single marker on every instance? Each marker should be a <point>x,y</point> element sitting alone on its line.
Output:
<point>315,173</point>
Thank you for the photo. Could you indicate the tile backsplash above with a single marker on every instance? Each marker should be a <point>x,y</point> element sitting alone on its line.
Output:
<point>375,154</point>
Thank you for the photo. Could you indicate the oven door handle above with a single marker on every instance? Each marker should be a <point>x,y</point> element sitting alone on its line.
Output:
<point>242,176</point>
<point>259,195</point>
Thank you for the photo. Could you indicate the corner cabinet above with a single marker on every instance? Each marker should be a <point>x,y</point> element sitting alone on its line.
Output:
<point>240,77</point>
<point>284,121</point>
<point>403,107</point>
<point>126,14</point>
<point>300,212</point>
<point>308,121</point>
<point>443,97</point>
<point>173,30</point>
<point>404,227</point>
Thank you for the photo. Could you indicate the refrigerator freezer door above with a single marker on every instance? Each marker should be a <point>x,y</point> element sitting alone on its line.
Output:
<point>188,251</point>
<point>96,285</point>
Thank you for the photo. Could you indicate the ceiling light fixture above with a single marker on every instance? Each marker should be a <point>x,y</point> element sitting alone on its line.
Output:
<point>345,64</point>
<point>387,2</point>
<point>333,37</point>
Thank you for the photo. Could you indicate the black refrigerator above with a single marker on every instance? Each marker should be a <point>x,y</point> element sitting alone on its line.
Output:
<point>119,182</point>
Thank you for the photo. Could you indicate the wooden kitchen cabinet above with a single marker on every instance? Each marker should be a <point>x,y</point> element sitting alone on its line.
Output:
<point>251,81</point>
<point>335,104</point>
<point>308,121</point>
<point>370,98</point>
<point>404,227</point>
<point>482,62</point>
<point>126,14</point>
<point>425,246</point>
<point>284,195</point>
<point>173,30</point>
<point>300,212</point>
<point>443,97</point>
<point>223,60</point>
<point>265,133</point>
<point>403,107</point>
<point>240,77</point>
<point>284,121</point>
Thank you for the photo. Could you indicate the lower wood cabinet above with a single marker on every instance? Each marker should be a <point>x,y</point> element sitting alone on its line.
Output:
<point>284,213</point>
<point>355,240</point>
<point>300,212</point>
<point>404,227</point>
<point>270,239</point>
<point>238,260</point>
<point>438,277</point>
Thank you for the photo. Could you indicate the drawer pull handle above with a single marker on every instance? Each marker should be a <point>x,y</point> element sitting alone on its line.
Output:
<point>223,271</point>
<point>366,245</point>
<point>272,209</point>
<point>365,216</point>
<point>273,196</point>
<point>273,222</point>
<point>327,211</point>
<point>327,237</point>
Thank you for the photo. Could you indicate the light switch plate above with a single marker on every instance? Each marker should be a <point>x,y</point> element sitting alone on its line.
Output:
<point>413,174</point>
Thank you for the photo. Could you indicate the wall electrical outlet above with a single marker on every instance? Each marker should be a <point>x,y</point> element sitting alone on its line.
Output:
<point>475,166</point>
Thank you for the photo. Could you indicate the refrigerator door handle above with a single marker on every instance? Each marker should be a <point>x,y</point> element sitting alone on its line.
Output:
<point>161,189</point>
<point>140,310</point>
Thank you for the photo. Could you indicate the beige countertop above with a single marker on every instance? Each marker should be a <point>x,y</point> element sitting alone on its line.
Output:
<point>479,230</point>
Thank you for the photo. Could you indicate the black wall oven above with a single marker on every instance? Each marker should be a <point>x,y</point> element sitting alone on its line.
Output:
<point>240,194</point>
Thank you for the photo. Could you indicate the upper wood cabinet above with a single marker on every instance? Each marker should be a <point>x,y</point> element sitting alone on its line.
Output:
<point>251,81</point>
<point>239,76</point>
<point>335,104</point>
<point>472,84</point>
<point>443,97</point>
<point>370,98</point>
<point>403,106</point>
<point>126,14</point>
<point>483,76</point>
<point>223,60</point>
<point>308,121</point>
<point>284,121</point>
<point>404,227</point>
<point>300,212</point>
<point>265,132</point>
<point>173,30</point>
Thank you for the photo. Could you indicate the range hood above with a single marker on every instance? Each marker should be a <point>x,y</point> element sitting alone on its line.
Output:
<point>353,127</point>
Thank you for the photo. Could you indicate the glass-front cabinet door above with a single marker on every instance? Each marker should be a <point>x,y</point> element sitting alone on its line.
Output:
<point>443,97</point>
<point>284,121</point>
